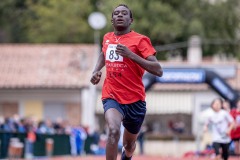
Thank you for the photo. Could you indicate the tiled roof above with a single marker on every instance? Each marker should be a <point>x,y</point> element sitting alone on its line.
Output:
<point>46,66</point>
<point>70,66</point>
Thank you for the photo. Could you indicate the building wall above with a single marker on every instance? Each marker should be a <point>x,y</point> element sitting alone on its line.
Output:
<point>73,113</point>
<point>162,102</point>
<point>42,104</point>
<point>8,108</point>
<point>169,103</point>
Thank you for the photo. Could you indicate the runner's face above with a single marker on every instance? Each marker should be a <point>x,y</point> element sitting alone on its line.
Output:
<point>217,105</point>
<point>121,18</point>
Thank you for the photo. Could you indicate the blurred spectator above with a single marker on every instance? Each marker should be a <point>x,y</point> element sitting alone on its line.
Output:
<point>21,128</point>
<point>20,125</point>
<point>1,122</point>
<point>45,127</point>
<point>8,128</point>
<point>78,135</point>
<point>235,134</point>
<point>58,126</point>
<point>221,124</point>
<point>30,140</point>
<point>102,144</point>
<point>141,138</point>
<point>9,125</point>
<point>81,136</point>
<point>177,127</point>
<point>77,140</point>
<point>120,142</point>
<point>96,141</point>
<point>94,134</point>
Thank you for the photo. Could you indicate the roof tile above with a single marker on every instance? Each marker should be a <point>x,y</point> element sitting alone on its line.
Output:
<point>46,66</point>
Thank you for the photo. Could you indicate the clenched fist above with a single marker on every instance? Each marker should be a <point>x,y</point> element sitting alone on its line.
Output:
<point>96,76</point>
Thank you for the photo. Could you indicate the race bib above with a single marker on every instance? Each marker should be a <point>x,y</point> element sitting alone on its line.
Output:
<point>111,55</point>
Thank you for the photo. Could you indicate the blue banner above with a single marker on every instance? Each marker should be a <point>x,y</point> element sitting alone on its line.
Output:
<point>182,75</point>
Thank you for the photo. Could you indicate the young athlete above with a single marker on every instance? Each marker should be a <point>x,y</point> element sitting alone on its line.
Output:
<point>126,55</point>
<point>235,134</point>
<point>221,124</point>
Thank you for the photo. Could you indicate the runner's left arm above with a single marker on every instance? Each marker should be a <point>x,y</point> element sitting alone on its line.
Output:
<point>150,64</point>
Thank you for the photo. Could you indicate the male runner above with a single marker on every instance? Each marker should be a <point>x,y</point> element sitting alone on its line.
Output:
<point>126,55</point>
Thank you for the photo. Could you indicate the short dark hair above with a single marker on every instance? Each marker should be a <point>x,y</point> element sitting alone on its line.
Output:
<point>124,5</point>
<point>220,99</point>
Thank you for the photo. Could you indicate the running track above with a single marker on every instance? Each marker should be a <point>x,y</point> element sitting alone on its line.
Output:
<point>134,158</point>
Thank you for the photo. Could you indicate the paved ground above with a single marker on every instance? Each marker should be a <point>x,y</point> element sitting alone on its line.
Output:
<point>134,158</point>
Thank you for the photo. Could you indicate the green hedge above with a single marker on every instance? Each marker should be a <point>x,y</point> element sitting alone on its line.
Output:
<point>61,143</point>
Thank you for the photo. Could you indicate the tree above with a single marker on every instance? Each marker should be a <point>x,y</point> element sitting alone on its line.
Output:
<point>220,23</point>
<point>12,16</point>
<point>153,18</point>
<point>164,21</point>
<point>59,21</point>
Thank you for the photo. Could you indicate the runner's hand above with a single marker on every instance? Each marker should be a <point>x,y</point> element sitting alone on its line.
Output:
<point>123,50</point>
<point>96,76</point>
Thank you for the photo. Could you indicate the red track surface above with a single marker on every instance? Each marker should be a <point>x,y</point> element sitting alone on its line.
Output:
<point>134,158</point>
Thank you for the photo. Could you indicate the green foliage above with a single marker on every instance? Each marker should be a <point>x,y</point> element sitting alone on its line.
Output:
<point>221,21</point>
<point>12,16</point>
<point>164,21</point>
<point>153,18</point>
<point>59,21</point>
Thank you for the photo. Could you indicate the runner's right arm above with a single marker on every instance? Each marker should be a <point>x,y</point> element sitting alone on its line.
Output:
<point>96,75</point>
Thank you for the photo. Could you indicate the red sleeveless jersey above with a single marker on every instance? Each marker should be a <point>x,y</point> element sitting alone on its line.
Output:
<point>123,80</point>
